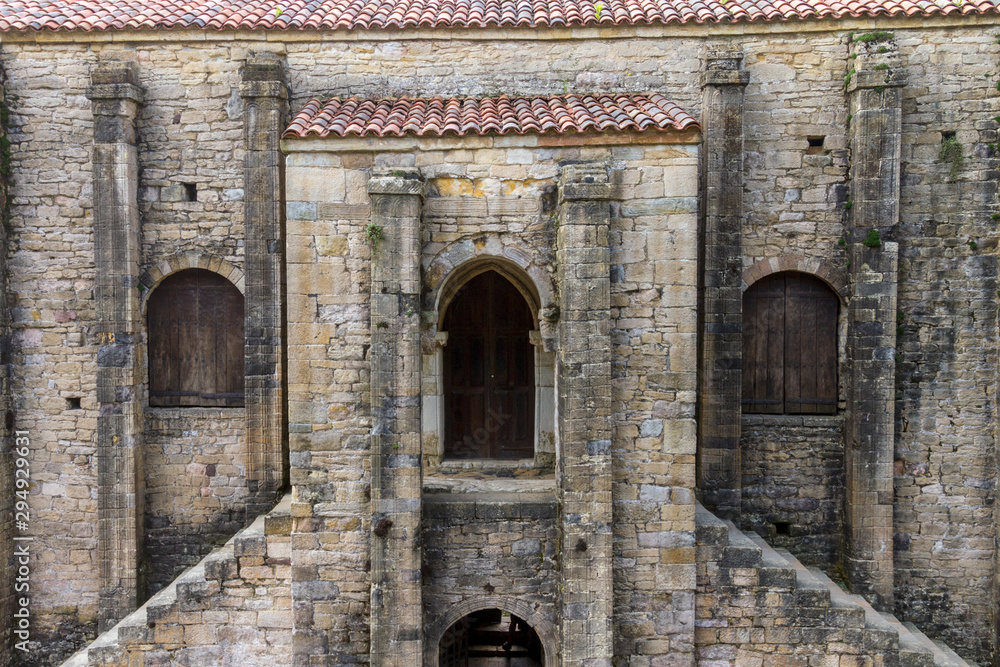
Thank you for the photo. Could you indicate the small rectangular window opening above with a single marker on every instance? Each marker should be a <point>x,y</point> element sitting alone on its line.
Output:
<point>190,192</point>
<point>782,528</point>
<point>73,403</point>
<point>815,145</point>
<point>946,136</point>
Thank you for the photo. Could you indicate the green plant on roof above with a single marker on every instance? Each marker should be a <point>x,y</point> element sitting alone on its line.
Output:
<point>278,11</point>
<point>598,7</point>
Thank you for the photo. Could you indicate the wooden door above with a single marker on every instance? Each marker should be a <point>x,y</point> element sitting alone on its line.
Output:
<point>489,372</point>
<point>790,345</point>
<point>196,341</point>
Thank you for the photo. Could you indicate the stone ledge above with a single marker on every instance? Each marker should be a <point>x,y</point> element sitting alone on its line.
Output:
<point>490,506</point>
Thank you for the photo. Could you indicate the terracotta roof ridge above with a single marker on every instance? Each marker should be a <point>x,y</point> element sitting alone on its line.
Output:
<point>501,114</point>
<point>102,15</point>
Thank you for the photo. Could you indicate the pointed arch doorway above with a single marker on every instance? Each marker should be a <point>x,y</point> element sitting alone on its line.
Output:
<point>489,372</point>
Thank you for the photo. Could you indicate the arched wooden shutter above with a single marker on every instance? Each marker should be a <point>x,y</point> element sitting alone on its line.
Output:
<point>195,320</point>
<point>790,345</point>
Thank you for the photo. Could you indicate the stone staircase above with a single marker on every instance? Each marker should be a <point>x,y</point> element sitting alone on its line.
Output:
<point>236,601</point>
<point>744,570</point>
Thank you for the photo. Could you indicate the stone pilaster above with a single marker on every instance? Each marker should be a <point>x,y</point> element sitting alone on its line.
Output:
<point>721,308</point>
<point>265,111</point>
<point>115,98</point>
<point>583,383</point>
<point>396,610</point>
<point>875,96</point>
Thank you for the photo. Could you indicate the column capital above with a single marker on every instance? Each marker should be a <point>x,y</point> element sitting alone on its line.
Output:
<point>396,181</point>
<point>724,67</point>
<point>263,75</point>
<point>584,181</point>
<point>112,92</point>
<point>114,88</point>
<point>874,63</point>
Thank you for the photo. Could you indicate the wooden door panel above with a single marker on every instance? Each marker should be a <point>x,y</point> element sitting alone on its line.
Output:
<point>488,355</point>
<point>790,345</point>
<point>196,341</point>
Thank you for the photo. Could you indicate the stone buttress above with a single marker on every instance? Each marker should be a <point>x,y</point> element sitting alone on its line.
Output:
<point>721,299</point>
<point>115,97</point>
<point>584,395</point>
<point>265,98</point>
<point>875,97</point>
<point>396,611</point>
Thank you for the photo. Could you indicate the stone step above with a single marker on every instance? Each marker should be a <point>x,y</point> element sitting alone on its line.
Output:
<point>843,612</point>
<point>944,656</point>
<point>710,530</point>
<point>741,552</point>
<point>911,652</point>
<point>774,570</point>
<point>193,585</point>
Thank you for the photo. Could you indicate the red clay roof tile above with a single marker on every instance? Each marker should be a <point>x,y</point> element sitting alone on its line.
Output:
<point>435,116</point>
<point>375,14</point>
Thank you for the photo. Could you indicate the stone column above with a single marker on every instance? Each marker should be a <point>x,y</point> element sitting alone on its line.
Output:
<point>875,97</point>
<point>115,98</point>
<point>720,373</point>
<point>585,430</point>
<point>265,110</point>
<point>396,482</point>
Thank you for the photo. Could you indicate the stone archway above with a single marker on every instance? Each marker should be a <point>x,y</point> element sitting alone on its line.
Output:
<point>539,624</point>
<point>448,272</point>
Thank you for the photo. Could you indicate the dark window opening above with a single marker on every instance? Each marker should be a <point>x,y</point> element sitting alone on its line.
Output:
<point>490,637</point>
<point>782,528</point>
<point>815,145</point>
<point>73,403</point>
<point>190,192</point>
<point>947,136</point>
<point>790,345</point>
<point>489,372</point>
<point>195,320</point>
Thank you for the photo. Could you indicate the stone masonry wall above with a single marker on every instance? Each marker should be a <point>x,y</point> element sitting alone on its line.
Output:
<point>945,477</point>
<point>195,490</point>
<point>183,137</point>
<point>653,249</point>
<point>234,608</point>
<point>794,203</point>
<point>477,547</point>
<point>793,474</point>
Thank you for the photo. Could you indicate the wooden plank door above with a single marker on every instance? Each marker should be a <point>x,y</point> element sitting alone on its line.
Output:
<point>489,372</point>
<point>790,345</point>
<point>196,341</point>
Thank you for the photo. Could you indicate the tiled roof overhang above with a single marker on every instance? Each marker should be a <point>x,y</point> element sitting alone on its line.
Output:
<point>88,15</point>
<point>437,116</point>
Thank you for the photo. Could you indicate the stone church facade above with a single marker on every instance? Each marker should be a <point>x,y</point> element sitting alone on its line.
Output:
<point>593,334</point>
